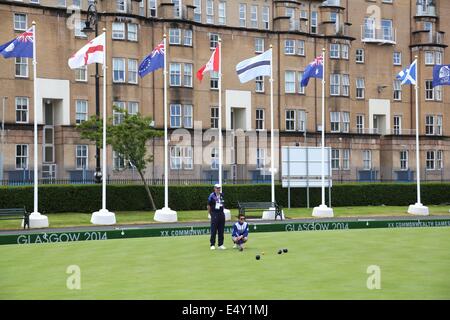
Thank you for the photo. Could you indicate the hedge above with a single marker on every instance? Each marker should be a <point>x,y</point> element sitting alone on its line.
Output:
<point>87,198</point>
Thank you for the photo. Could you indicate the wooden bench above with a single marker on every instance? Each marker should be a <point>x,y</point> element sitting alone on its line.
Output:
<point>16,214</point>
<point>267,206</point>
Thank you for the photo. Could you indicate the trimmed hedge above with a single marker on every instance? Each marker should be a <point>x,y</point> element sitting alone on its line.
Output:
<point>87,198</point>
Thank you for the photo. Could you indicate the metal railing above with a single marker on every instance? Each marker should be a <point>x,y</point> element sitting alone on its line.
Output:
<point>426,10</point>
<point>378,35</point>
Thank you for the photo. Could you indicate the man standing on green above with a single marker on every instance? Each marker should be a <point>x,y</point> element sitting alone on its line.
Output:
<point>215,210</point>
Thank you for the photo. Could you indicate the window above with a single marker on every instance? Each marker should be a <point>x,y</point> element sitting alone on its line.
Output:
<point>439,162</point>
<point>397,58</point>
<point>344,49</point>
<point>438,125</point>
<point>289,47</point>
<point>37,2</point>
<point>20,22</point>
<point>132,71</point>
<point>188,38</point>
<point>386,26</point>
<point>181,158</point>
<point>397,90</point>
<point>118,30</point>
<point>335,84</point>
<point>429,92</point>
<point>429,57</point>
<point>187,159</point>
<point>21,110</point>
<point>429,125</point>
<point>118,116</point>
<point>21,156</point>
<point>242,15</point>
<point>133,108</point>
<point>79,25</point>
<point>345,85</point>
<point>359,55</point>
<point>175,74</point>
<point>198,10</point>
<point>152,8</point>
<point>367,159</point>
<point>301,47</point>
<point>360,88</point>
<point>81,111</point>
<point>254,16</point>
<point>346,159</point>
<point>335,159</point>
<point>121,5</point>
<point>289,81</point>
<point>188,74</point>
<point>177,8</point>
<point>214,80</point>
<point>215,158</point>
<point>187,116</point>
<point>21,67</point>
<point>132,32</point>
<point>301,120</point>
<point>265,18</point>
<point>397,125</point>
<point>174,36</point>
<point>213,40</point>
<point>260,158</point>
<point>301,89</point>
<point>222,12</point>
<point>81,74</point>
<point>175,115</point>
<point>334,51</point>
<point>118,161</point>
<point>335,121</point>
<point>404,160</point>
<point>346,122</point>
<point>259,45</point>
<point>313,21</point>
<point>438,57</point>
<point>259,84</point>
<point>290,120</point>
<point>290,12</point>
<point>81,157</point>
<point>214,117</point>
<point>209,11</point>
<point>259,119</point>
<point>118,70</point>
<point>431,157</point>
<point>438,93</point>
<point>360,123</point>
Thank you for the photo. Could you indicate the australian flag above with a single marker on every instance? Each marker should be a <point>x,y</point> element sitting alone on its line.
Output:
<point>153,61</point>
<point>20,47</point>
<point>441,75</point>
<point>313,70</point>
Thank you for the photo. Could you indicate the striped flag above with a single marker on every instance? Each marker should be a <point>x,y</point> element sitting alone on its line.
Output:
<point>249,69</point>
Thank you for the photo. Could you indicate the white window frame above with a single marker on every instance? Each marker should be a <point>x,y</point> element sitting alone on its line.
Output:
<point>344,51</point>
<point>133,66</point>
<point>346,159</point>
<point>301,48</point>
<point>335,159</point>
<point>260,158</point>
<point>359,55</point>
<point>222,13</point>
<point>117,62</point>
<point>22,64</point>
<point>360,123</point>
<point>81,156</point>
<point>16,22</point>
<point>397,124</point>
<point>335,121</point>
<point>215,158</point>
<point>259,84</point>
<point>152,8</point>
<point>430,160</point>
<point>176,115</point>
<point>429,90</point>
<point>187,38</point>
<point>259,45</point>
<point>335,84</point>
<point>118,116</point>
<point>214,116</point>
<point>404,160</point>
<point>81,111</point>
<point>289,47</point>
<point>360,88</point>
<point>397,58</point>
<point>81,74</point>
<point>175,74</point>
<point>345,121</point>
<point>290,119</point>
<point>176,158</point>
<point>188,74</point>
<point>254,16</point>
<point>334,51</point>
<point>188,116</point>
<point>289,81</point>
<point>242,15</point>
<point>22,107</point>
<point>346,85</point>
<point>429,58</point>
<point>397,90</point>
<point>133,36</point>
<point>23,156</point>
<point>259,125</point>
<point>266,17</point>
<point>367,159</point>
<point>118,31</point>
<point>301,89</point>
<point>429,125</point>
<point>175,36</point>
<point>210,11</point>
<point>133,107</point>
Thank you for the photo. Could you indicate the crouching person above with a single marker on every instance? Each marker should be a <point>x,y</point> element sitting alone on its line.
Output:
<point>240,233</point>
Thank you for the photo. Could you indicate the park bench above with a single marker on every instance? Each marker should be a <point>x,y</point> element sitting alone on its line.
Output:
<point>266,206</point>
<point>16,214</point>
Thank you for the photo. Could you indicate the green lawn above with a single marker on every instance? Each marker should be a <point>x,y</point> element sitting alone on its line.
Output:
<point>58,220</point>
<point>414,264</point>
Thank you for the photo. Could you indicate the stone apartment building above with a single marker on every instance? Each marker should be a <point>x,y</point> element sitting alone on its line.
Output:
<point>370,117</point>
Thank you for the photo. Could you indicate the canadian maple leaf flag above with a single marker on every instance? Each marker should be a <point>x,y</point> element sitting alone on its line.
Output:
<point>212,65</point>
<point>92,52</point>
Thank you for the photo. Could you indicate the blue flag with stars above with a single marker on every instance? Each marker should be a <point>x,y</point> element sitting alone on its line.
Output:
<point>153,61</point>
<point>313,70</point>
<point>20,47</point>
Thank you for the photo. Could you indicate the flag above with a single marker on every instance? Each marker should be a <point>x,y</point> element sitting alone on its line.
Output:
<point>441,75</point>
<point>154,61</point>
<point>408,75</point>
<point>20,47</point>
<point>93,52</point>
<point>212,65</point>
<point>255,67</point>
<point>313,70</point>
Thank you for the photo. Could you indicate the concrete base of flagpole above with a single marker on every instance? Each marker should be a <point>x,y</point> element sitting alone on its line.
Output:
<point>165,215</point>
<point>103,217</point>
<point>270,214</point>
<point>418,209</point>
<point>227,214</point>
<point>37,221</point>
<point>322,211</point>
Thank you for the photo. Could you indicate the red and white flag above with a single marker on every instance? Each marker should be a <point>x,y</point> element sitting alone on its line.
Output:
<point>212,65</point>
<point>93,52</point>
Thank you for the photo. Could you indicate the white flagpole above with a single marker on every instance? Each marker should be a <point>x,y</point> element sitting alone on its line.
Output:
<point>272,149</point>
<point>418,208</point>
<point>323,210</point>
<point>220,112</point>
<point>36,220</point>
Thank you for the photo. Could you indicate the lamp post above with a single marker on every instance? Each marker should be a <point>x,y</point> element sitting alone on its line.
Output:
<point>92,20</point>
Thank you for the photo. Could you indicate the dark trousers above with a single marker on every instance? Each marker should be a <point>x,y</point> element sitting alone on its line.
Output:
<point>217,226</point>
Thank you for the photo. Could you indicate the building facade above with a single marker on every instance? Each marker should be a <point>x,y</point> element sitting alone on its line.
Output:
<point>370,117</point>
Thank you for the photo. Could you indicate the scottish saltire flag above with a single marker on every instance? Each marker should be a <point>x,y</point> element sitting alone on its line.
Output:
<point>313,70</point>
<point>255,67</point>
<point>408,75</point>
<point>441,75</point>
<point>20,47</point>
<point>153,61</point>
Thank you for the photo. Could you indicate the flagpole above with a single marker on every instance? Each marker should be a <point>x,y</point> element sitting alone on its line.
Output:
<point>418,208</point>
<point>36,220</point>
<point>272,150</point>
<point>165,214</point>
<point>220,112</point>
<point>323,210</point>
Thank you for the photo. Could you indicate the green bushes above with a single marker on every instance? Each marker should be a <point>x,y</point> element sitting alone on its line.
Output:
<point>87,198</point>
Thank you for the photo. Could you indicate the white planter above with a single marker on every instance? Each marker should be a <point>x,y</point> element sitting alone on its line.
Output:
<point>165,215</point>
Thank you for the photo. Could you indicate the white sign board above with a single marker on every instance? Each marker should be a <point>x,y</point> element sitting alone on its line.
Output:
<point>302,167</point>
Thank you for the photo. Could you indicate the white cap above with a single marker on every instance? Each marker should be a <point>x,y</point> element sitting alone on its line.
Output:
<point>217,185</point>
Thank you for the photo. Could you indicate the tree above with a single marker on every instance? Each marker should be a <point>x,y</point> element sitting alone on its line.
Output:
<point>128,138</point>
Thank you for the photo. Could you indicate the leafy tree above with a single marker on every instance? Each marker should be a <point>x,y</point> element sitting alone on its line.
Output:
<point>128,138</point>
